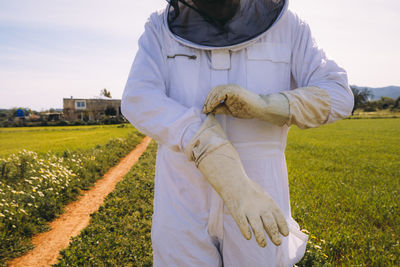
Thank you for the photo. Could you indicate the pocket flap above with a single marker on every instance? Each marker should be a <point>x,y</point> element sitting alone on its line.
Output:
<point>275,52</point>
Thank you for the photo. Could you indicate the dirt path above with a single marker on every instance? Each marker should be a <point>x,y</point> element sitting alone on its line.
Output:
<point>77,215</point>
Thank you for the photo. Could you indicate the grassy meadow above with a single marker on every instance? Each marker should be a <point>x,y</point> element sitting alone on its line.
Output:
<point>119,232</point>
<point>345,189</point>
<point>35,187</point>
<point>58,139</point>
<point>344,185</point>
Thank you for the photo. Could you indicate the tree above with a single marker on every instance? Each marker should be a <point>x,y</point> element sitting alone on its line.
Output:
<point>361,97</point>
<point>385,102</point>
<point>105,93</point>
<point>396,104</point>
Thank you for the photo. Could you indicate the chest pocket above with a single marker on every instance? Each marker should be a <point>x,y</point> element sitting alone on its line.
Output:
<point>268,67</point>
<point>183,74</point>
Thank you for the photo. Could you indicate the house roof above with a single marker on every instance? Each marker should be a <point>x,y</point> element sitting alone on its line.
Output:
<point>94,98</point>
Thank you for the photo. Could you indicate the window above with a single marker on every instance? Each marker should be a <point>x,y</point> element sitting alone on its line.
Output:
<point>80,104</point>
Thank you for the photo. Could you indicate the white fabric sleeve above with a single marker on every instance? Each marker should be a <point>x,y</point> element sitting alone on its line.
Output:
<point>144,101</point>
<point>311,67</point>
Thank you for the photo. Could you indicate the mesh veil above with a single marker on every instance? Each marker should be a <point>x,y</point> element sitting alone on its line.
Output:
<point>252,18</point>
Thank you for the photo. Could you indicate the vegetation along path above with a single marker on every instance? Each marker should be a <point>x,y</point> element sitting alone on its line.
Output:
<point>77,215</point>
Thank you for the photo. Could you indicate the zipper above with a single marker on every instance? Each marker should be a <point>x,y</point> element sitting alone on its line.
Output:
<point>193,57</point>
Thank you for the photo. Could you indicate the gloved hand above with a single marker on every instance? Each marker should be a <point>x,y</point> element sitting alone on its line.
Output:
<point>305,107</point>
<point>247,202</point>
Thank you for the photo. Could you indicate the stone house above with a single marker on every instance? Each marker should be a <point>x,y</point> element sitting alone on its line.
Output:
<point>90,109</point>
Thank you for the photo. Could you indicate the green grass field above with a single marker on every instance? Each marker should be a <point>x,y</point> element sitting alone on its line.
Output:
<point>58,139</point>
<point>119,232</point>
<point>345,191</point>
<point>34,188</point>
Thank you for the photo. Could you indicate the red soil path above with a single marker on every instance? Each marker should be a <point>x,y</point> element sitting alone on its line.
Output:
<point>77,215</point>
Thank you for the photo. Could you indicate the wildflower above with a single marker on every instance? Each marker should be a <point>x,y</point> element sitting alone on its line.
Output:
<point>2,215</point>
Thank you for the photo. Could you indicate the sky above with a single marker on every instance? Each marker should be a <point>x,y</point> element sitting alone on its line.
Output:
<point>55,49</point>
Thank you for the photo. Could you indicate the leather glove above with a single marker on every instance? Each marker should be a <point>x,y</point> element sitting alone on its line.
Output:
<point>305,107</point>
<point>247,202</point>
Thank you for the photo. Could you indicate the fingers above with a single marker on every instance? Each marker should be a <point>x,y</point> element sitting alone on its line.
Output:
<point>208,103</point>
<point>214,98</point>
<point>281,222</point>
<point>241,221</point>
<point>258,230</point>
<point>271,228</point>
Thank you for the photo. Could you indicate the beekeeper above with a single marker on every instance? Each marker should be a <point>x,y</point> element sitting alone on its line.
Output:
<point>217,84</point>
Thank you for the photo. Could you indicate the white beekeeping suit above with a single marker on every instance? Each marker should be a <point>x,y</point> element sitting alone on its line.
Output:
<point>264,51</point>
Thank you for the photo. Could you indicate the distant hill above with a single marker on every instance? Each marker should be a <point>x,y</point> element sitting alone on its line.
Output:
<point>388,91</point>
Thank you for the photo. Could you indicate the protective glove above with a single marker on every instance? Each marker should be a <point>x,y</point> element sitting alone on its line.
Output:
<point>306,107</point>
<point>247,202</point>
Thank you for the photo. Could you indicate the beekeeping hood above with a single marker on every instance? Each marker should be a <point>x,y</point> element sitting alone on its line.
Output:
<point>251,18</point>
